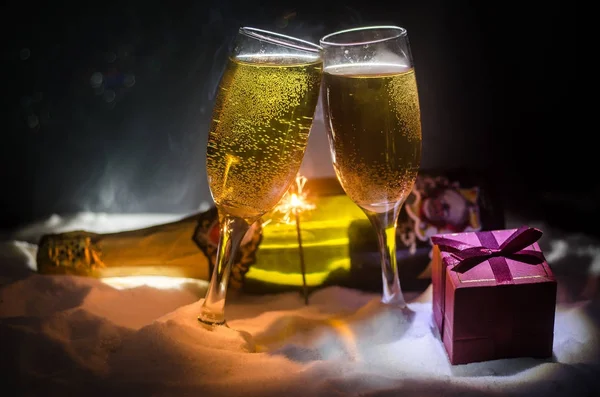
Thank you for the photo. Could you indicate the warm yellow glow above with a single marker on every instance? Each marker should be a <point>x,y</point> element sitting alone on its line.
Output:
<point>294,201</point>
<point>158,282</point>
<point>325,240</point>
<point>288,328</point>
<point>312,278</point>
<point>347,336</point>
<point>318,243</point>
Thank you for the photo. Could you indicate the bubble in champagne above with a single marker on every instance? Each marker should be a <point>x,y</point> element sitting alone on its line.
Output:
<point>373,119</point>
<point>261,121</point>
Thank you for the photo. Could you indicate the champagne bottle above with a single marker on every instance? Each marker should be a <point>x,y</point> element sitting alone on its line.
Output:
<point>268,259</point>
<point>184,248</point>
<point>339,245</point>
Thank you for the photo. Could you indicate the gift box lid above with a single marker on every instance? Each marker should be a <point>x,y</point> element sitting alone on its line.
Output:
<point>490,258</point>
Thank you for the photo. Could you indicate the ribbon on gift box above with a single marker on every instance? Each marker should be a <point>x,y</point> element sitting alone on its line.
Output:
<point>465,256</point>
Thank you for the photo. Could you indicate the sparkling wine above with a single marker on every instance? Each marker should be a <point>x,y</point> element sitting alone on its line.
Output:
<point>373,120</point>
<point>260,127</point>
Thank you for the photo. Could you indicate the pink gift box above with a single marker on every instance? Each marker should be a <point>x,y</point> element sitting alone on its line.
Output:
<point>494,295</point>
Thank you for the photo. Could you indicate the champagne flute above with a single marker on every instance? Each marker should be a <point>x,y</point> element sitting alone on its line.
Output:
<point>371,107</point>
<point>260,126</point>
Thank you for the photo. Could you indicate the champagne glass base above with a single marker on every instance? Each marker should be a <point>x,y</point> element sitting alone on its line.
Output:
<point>396,301</point>
<point>212,323</point>
<point>209,318</point>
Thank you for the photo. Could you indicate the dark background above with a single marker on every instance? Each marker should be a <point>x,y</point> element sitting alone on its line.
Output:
<point>496,82</point>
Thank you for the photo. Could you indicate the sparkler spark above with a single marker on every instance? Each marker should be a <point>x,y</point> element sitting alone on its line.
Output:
<point>294,201</point>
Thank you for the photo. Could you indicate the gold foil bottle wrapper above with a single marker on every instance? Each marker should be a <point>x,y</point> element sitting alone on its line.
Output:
<point>169,249</point>
<point>69,253</point>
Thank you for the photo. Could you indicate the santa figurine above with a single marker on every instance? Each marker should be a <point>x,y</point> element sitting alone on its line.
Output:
<point>438,206</point>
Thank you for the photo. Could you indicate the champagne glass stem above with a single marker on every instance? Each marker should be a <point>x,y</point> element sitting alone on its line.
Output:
<point>232,232</point>
<point>385,227</point>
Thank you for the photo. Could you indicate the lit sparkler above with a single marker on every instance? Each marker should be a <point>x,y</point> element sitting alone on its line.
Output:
<point>291,205</point>
<point>294,201</point>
